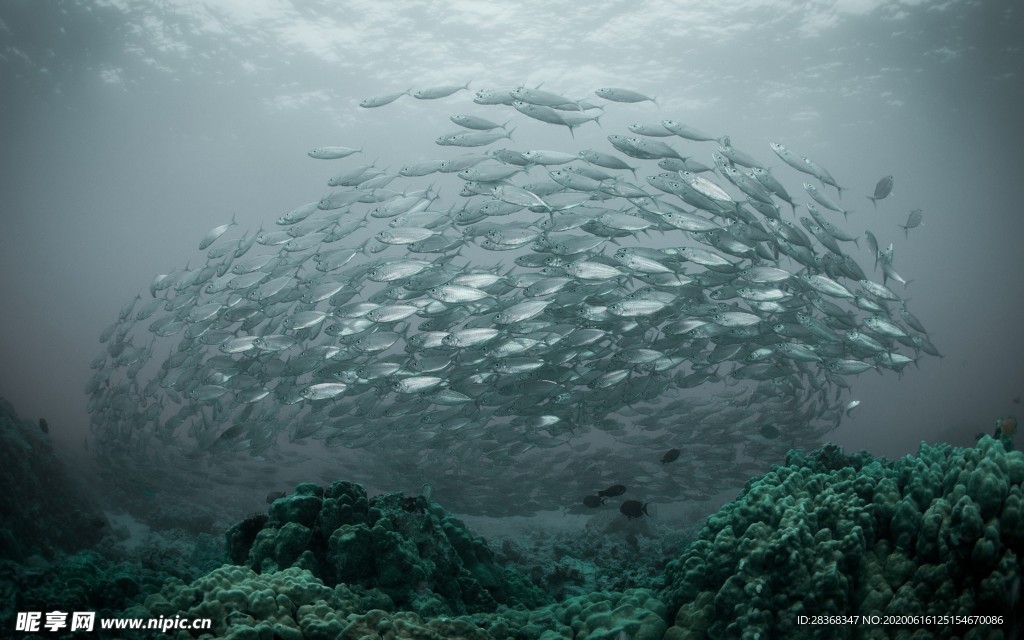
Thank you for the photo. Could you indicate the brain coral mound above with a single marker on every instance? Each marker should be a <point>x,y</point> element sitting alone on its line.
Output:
<point>410,549</point>
<point>940,533</point>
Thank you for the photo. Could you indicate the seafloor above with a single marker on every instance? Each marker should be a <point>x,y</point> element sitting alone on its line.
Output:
<point>828,545</point>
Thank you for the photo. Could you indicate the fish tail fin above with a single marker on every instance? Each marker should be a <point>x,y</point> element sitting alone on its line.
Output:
<point>874,201</point>
<point>508,133</point>
<point>572,134</point>
<point>855,242</point>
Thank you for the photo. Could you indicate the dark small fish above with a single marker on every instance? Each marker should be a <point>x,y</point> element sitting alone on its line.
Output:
<point>1016,400</point>
<point>612,491</point>
<point>913,220</point>
<point>274,495</point>
<point>593,501</point>
<point>633,509</point>
<point>43,426</point>
<point>232,432</point>
<point>670,456</point>
<point>882,189</point>
<point>769,431</point>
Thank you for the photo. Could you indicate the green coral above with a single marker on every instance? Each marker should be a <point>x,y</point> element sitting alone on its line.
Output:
<point>293,603</point>
<point>395,567</point>
<point>939,533</point>
<point>420,556</point>
<point>78,582</point>
<point>935,534</point>
<point>289,604</point>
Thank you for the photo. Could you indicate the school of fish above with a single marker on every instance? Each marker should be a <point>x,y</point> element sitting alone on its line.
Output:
<point>533,326</point>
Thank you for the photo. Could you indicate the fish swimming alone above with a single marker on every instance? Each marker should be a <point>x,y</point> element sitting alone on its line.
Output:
<point>332,153</point>
<point>882,190</point>
<point>612,491</point>
<point>914,219</point>
<point>633,509</point>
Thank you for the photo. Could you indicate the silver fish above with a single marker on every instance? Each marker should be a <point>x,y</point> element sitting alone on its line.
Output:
<point>475,122</point>
<point>212,236</point>
<point>543,98</point>
<point>380,101</point>
<point>623,95</point>
<point>332,153</point>
<point>690,133</point>
<point>474,139</point>
<point>490,319</point>
<point>824,200</point>
<point>434,93</point>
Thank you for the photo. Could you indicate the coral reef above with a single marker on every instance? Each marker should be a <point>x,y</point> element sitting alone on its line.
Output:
<point>939,533</point>
<point>83,581</point>
<point>243,604</point>
<point>411,549</point>
<point>334,563</point>
<point>295,604</point>
<point>105,580</point>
